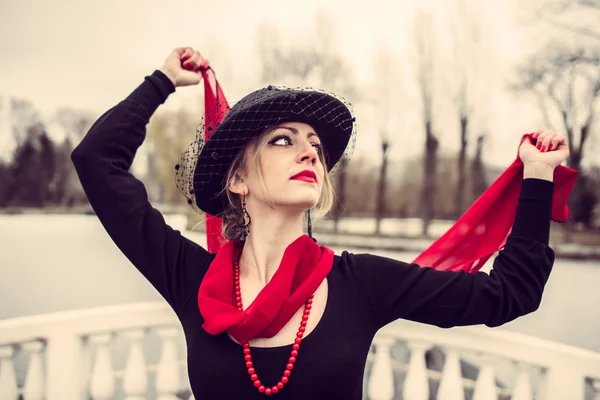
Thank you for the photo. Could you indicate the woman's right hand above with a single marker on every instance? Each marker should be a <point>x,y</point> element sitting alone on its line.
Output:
<point>184,66</point>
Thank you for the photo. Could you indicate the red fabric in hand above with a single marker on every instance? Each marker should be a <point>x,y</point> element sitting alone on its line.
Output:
<point>215,109</point>
<point>485,226</point>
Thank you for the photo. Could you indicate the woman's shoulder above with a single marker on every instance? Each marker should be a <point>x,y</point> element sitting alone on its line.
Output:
<point>352,264</point>
<point>348,260</point>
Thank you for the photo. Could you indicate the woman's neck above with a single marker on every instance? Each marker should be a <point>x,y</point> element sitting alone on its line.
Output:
<point>270,234</point>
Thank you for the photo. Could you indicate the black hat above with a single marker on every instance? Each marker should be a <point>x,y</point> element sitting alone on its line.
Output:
<point>202,170</point>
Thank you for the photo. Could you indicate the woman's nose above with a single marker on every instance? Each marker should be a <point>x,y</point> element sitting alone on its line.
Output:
<point>308,153</point>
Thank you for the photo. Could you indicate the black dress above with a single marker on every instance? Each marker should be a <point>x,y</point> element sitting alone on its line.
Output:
<point>366,292</point>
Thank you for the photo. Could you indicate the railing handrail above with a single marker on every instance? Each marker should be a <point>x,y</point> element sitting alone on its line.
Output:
<point>87,321</point>
<point>501,343</point>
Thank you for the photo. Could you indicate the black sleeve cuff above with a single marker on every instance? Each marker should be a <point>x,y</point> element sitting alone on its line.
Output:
<point>152,92</point>
<point>534,210</point>
<point>163,84</point>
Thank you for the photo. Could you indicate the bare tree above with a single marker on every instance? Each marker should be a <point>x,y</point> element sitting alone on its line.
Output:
<point>425,39</point>
<point>566,84</point>
<point>466,74</point>
<point>385,124</point>
<point>478,176</point>
<point>317,63</point>
<point>564,15</point>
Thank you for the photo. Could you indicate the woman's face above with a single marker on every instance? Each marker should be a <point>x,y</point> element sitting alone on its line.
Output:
<point>291,168</point>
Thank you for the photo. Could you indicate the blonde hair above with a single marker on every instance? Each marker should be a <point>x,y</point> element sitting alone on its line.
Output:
<point>232,215</point>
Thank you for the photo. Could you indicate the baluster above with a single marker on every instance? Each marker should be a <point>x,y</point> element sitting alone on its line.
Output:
<point>596,388</point>
<point>167,374</point>
<point>63,378</point>
<point>8,380</point>
<point>564,380</point>
<point>35,380</point>
<point>86,364</point>
<point>416,384</point>
<point>522,390</point>
<point>102,382</point>
<point>542,388</point>
<point>135,380</point>
<point>451,387</point>
<point>381,381</point>
<point>485,387</point>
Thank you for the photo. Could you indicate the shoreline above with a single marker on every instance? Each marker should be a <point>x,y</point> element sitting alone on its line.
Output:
<point>357,239</point>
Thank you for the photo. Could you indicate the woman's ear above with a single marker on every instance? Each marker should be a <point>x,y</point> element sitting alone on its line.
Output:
<point>238,186</point>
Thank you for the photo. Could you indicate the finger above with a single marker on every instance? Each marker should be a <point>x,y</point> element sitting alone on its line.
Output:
<point>540,139</point>
<point>202,62</point>
<point>554,143</point>
<point>196,62</point>
<point>190,64</point>
<point>187,53</point>
<point>547,139</point>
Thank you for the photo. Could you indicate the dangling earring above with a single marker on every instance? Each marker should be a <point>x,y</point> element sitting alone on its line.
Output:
<point>244,226</point>
<point>309,225</point>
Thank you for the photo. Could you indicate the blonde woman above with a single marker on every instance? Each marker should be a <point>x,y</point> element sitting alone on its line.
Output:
<point>273,313</point>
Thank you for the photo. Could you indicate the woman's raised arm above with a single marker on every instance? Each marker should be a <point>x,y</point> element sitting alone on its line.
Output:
<point>172,264</point>
<point>513,288</point>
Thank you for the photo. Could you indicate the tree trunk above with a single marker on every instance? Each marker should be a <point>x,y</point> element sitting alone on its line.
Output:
<point>341,195</point>
<point>462,155</point>
<point>429,175</point>
<point>381,188</point>
<point>574,162</point>
<point>478,180</point>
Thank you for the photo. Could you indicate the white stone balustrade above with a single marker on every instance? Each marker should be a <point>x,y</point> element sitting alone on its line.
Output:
<point>135,378</point>
<point>561,370</point>
<point>78,359</point>
<point>70,356</point>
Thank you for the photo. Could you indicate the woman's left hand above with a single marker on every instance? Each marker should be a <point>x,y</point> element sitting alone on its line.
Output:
<point>550,150</point>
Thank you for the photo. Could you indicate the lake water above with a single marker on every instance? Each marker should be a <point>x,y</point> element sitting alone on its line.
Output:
<point>54,263</point>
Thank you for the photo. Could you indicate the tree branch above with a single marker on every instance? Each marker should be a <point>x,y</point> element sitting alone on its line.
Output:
<point>560,10</point>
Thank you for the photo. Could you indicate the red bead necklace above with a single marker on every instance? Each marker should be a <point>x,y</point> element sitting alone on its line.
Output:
<point>295,347</point>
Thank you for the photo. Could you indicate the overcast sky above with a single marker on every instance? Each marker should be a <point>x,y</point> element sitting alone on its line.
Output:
<point>89,55</point>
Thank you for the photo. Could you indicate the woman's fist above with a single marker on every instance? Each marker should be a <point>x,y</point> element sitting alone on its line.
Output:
<point>184,66</point>
<point>542,154</point>
<point>550,149</point>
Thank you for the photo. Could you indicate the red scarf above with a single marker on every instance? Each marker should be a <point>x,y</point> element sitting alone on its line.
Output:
<point>469,243</point>
<point>484,228</point>
<point>303,267</point>
<point>215,108</point>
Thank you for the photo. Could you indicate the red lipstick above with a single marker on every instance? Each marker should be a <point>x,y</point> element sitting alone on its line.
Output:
<point>306,176</point>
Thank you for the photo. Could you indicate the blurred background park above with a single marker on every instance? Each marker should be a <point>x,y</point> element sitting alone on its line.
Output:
<point>443,90</point>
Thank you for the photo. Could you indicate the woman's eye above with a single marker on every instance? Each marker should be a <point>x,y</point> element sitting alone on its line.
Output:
<point>281,141</point>
<point>317,147</point>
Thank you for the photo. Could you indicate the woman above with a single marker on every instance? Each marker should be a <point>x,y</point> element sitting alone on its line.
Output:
<point>308,316</point>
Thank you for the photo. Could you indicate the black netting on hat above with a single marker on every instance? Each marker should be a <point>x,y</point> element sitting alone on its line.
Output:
<point>201,171</point>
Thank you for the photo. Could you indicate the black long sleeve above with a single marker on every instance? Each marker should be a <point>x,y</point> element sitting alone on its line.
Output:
<point>171,263</point>
<point>513,288</point>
